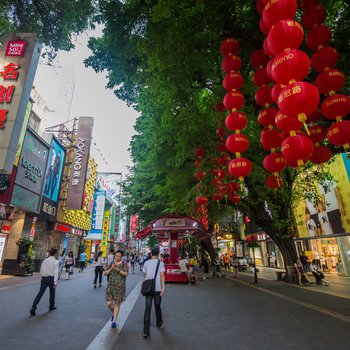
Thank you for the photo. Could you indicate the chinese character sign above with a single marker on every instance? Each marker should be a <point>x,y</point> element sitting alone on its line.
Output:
<point>80,163</point>
<point>19,57</point>
<point>105,231</point>
<point>98,211</point>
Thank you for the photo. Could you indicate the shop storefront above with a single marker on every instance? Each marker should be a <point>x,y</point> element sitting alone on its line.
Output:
<point>324,223</point>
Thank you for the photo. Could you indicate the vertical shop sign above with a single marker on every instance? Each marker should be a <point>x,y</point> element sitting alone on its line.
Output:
<point>105,231</point>
<point>19,57</point>
<point>2,245</point>
<point>98,211</point>
<point>79,164</point>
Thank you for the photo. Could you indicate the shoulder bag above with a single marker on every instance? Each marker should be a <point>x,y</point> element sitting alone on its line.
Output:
<point>149,286</point>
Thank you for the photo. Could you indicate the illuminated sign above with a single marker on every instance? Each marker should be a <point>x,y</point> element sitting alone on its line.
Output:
<point>63,228</point>
<point>19,57</point>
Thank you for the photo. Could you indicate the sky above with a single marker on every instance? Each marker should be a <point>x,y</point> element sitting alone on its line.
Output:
<point>113,119</point>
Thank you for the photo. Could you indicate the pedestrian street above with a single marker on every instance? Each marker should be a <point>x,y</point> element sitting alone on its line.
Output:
<point>218,312</point>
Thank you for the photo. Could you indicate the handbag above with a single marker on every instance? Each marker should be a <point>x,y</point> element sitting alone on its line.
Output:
<point>148,286</point>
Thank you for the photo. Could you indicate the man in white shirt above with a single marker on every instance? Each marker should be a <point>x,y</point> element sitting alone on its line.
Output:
<point>183,267</point>
<point>149,270</point>
<point>49,278</point>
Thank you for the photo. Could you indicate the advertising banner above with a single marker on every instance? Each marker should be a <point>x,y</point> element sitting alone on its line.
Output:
<point>105,232</point>
<point>30,173</point>
<point>52,182</point>
<point>329,212</point>
<point>19,57</point>
<point>109,182</point>
<point>80,163</point>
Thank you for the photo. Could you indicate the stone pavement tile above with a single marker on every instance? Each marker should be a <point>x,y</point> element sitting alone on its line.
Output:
<point>221,313</point>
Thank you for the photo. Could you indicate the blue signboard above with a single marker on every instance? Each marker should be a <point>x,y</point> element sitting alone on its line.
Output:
<point>98,211</point>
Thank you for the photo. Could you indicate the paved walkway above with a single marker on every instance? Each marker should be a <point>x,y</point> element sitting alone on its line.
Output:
<point>227,312</point>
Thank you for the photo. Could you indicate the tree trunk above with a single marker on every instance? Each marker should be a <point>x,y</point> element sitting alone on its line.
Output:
<point>286,245</point>
<point>208,246</point>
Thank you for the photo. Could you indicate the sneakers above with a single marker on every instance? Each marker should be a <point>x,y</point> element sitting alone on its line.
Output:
<point>94,285</point>
<point>32,312</point>
<point>100,285</point>
<point>159,324</point>
<point>52,308</point>
<point>114,325</point>
<point>146,335</point>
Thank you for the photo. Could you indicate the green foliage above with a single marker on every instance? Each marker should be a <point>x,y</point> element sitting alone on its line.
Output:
<point>152,241</point>
<point>162,57</point>
<point>56,21</point>
<point>28,255</point>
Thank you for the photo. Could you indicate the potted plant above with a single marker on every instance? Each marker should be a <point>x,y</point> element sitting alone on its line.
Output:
<point>26,260</point>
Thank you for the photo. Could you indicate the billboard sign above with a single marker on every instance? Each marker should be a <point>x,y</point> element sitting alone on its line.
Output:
<point>19,57</point>
<point>98,211</point>
<point>109,182</point>
<point>79,163</point>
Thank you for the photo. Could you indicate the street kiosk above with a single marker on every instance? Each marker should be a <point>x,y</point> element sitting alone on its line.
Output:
<point>169,229</point>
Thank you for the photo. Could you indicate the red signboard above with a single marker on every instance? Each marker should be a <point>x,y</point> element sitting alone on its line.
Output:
<point>16,48</point>
<point>63,228</point>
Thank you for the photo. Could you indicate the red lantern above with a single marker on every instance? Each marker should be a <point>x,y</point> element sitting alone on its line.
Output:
<point>336,106</point>
<point>299,99</point>
<point>221,174</point>
<point>314,116</point>
<point>216,197</point>
<point>220,133</point>
<point>237,143</point>
<point>234,186</point>
<point>200,152</point>
<point>286,34</point>
<point>296,164</point>
<point>263,27</point>
<point>330,81</point>
<point>235,198</point>
<point>304,4</point>
<point>240,167</point>
<point>313,16</point>
<point>287,123</point>
<point>226,189</point>
<point>197,163</point>
<point>233,81</point>
<point>276,90</point>
<point>268,68</point>
<point>266,48</point>
<point>202,200</point>
<point>297,148</point>
<point>263,96</point>
<point>236,121</point>
<point>221,147</point>
<point>216,183</point>
<point>233,100</point>
<point>325,57</point>
<point>318,37</point>
<point>339,134</point>
<point>259,7</point>
<point>274,11</point>
<point>224,160</point>
<point>290,66</point>
<point>267,116</point>
<point>261,78</point>
<point>270,139</point>
<point>275,163</point>
<point>229,46</point>
<point>219,107</point>
<point>321,154</point>
<point>231,63</point>
<point>258,59</point>
<point>274,182</point>
<point>200,175</point>
<point>317,133</point>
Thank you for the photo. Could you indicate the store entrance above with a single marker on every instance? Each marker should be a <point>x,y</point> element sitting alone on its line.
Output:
<point>327,252</point>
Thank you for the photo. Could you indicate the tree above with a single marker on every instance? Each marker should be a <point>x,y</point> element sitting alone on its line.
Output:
<point>163,58</point>
<point>56,21</point>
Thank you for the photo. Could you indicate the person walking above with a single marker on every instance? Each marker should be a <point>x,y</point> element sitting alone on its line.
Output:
<point>69,265</point>
<point>226,262</point>
<point>115,292</point>
<point>206,265</point>
<point>82,261</point>
<point>61,260</point>
<point>132,262</point>
<point>49,278</point>
<point>149,269</point>
<point>98,269</point>
<point>141,261</point>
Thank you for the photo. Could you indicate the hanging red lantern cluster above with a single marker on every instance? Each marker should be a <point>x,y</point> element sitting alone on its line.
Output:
<point>201,211</point>
<point>236,121</point>
<point>329,81</point>
<point>296,99</point>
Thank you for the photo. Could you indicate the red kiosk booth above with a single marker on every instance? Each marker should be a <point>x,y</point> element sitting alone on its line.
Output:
<point>169,229</point>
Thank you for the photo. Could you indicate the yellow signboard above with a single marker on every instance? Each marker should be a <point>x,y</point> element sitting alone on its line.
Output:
<point>105,231</point>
